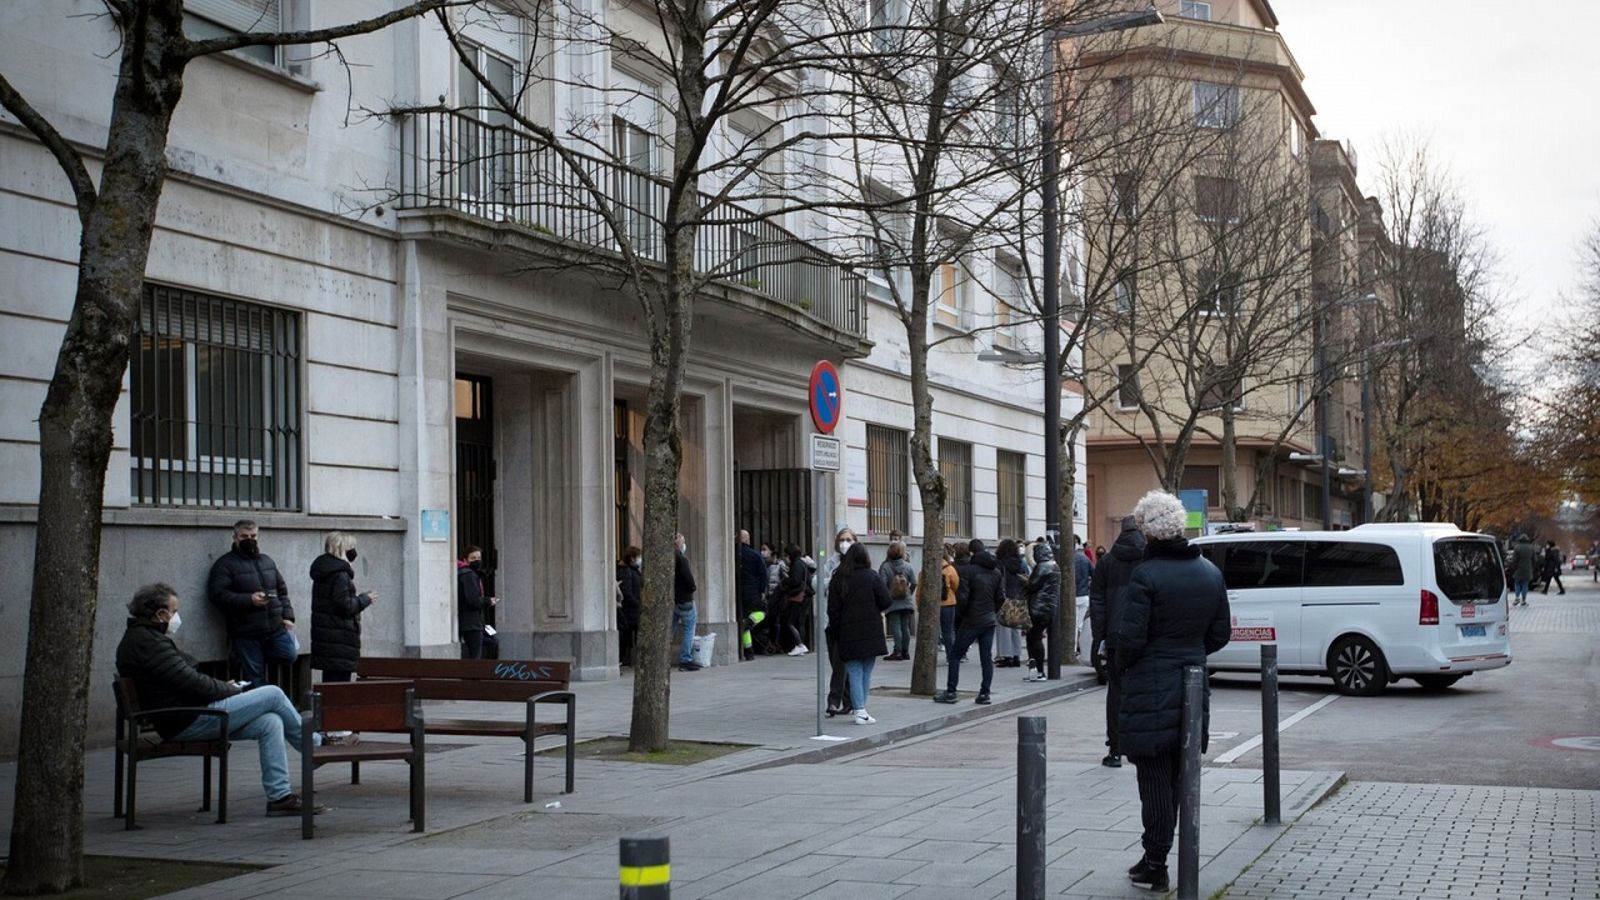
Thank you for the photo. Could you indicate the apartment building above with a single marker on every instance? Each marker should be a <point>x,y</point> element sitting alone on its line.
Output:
<point>1216,223</point>
<point>375,304</point>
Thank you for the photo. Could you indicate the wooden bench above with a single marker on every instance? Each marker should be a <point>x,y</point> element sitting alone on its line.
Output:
<point>137,741</point>
<point>377,706</point>
<point>294,678</point>
<point>529,682</point>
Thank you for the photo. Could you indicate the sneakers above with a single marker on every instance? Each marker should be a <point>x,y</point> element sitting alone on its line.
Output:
<point>1112,761</point>
<point>945,697</point>
<point>982,699</point>
<point>1151,878</point>
<point>863,719</point>
<point>290,805</point>
<point>689,667</point>
<point>799,650</point>
<point>1142,867</point>
<point>1034,675</point>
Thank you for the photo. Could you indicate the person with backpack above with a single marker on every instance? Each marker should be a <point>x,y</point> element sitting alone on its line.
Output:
<point>901,580</point>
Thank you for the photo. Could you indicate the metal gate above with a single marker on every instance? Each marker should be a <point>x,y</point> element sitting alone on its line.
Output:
<point>775,505</point>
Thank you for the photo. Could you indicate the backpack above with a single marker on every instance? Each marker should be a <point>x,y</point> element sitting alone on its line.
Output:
<point>899,587</point>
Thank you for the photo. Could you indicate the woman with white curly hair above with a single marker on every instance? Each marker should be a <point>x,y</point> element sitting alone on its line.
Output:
<point>1175,613</point>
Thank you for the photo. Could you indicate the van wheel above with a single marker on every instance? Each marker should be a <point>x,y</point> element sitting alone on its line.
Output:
<point>1357,667</point>
<point>1437,682</point>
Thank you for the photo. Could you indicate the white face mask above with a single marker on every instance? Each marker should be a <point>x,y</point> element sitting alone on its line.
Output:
<point>174,623</point>
<point>844,546</point>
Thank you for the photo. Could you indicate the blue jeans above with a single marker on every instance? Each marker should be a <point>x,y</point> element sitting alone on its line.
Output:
<point>685,618</point>
<point>1522,590</point>
<point>265,716</point>
<point>965,638</point>
<point>859,674</point>
<point>947,629</point>
<point>253,655</point>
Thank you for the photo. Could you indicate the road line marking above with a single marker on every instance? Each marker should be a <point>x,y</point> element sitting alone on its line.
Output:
<point>1255,742</point>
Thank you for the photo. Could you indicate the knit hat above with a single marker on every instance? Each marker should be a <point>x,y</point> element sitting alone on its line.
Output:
<point>1161,516</point>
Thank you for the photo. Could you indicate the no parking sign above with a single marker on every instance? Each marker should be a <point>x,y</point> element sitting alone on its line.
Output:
<point>826,396</point>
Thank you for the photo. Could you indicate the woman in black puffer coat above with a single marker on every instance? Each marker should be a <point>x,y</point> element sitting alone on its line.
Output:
<point>1174,614</point>
<point>336,609</point>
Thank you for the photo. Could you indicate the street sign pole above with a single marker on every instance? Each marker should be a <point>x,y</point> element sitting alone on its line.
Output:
<point>825,395</point>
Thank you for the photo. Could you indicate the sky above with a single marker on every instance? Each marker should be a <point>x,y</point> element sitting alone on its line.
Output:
<point>1503,93</point>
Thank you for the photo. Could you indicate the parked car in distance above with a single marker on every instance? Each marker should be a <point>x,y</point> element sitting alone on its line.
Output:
<point>1579,561</point>
<point>1367,606</point>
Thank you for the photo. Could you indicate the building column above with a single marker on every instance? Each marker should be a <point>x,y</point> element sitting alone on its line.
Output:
<point>426,448</point>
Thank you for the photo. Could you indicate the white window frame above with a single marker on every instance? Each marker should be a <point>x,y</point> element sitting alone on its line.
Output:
<point>956,313</point>
<point>1215,105</point>
<point>1195,9</point>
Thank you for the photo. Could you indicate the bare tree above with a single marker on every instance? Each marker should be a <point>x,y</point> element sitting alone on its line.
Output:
<point>117,214</point>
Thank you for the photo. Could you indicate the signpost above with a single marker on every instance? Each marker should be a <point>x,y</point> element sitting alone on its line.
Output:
<point>826,398</point>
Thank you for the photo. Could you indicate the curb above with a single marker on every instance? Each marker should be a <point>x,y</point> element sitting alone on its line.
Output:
<point>853,746</point>
<point>1224,869</point>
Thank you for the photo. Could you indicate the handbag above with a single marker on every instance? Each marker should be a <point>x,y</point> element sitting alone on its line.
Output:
<point>1014,614</point>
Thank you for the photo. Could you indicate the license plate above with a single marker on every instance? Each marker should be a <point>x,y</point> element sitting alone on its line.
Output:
<point>1473,631</point>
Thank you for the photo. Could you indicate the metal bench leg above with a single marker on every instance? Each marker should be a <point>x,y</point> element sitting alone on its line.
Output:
<point>116,801</point>
<point>355,773</point>
<point>419,793</point>
<point>572,744</point>
<point>527,762</point>
<point>222,786</point>
<point>133,791</point>
<point>205,783</point>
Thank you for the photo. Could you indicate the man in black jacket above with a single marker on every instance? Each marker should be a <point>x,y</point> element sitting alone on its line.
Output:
<point>254,600</point>
<point>1106,589</point>
<point>751,582</point>
<point>977,602</point>
<point>684,613</point>
<point>165,677</point>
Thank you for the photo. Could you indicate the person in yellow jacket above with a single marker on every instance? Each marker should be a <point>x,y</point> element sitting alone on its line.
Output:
<point>947,603</point>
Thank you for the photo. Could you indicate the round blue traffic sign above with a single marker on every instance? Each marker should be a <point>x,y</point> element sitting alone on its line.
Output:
<point>827,396</point>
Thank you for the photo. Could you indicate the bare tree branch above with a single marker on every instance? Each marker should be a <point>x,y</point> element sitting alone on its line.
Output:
<point>83,188</point>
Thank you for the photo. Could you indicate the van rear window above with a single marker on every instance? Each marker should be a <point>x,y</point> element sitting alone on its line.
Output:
<point>1468,570</point>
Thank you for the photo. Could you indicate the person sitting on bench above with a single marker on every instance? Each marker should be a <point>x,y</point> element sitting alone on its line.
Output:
<point>165,677</point>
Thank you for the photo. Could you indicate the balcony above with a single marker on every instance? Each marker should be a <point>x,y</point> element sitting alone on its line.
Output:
<point>480,175</point>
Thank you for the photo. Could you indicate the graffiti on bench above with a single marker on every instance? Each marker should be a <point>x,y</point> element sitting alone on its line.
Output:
<point>519,671</point>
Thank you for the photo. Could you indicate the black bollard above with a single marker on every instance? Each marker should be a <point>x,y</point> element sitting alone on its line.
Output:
<point>1030,807</point>
<point>1269,733</point>
<point>645,872</point>
<point>1194,699</point>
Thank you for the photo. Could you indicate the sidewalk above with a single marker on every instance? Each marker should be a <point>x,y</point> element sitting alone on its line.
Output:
<point>1436,841</point>
<point>790,818</point>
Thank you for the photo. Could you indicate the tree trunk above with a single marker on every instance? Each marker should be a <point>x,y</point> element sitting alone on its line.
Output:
<point>663,436</point>
<point>1230,460</point>
<point>1065,502</point>
<point>932,489</point>
<point>75,432</point>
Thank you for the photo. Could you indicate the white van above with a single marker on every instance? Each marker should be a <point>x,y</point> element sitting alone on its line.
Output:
<point>1366,606</point>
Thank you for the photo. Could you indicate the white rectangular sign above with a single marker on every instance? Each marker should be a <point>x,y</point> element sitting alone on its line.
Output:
<point>825,453</point>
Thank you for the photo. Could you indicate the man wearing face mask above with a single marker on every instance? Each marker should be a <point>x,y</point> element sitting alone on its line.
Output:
<point>471,603</point>
<point>165,677</point>
<point>254,600</point>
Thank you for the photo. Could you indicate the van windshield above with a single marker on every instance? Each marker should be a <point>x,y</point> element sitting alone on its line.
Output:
<point>1469,570</point>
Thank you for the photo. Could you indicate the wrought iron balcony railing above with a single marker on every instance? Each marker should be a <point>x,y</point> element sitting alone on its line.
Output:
<point>453,160</point>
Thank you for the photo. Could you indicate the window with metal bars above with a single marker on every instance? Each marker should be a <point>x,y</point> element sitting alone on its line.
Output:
<point>888,478</point>
<point>215,391</point>
<point>955,464</point>
<point>1012,469</point>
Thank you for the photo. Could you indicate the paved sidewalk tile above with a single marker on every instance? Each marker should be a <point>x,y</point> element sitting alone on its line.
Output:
<point>1379,840</point>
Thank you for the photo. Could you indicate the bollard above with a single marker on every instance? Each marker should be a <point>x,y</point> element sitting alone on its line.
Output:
<point>645,871</point>
<point>1194,699</point>
<point>1030,807</point>
<point>1269,733</point>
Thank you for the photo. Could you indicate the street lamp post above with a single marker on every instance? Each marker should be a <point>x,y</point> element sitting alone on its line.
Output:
<point>1051,174</point>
